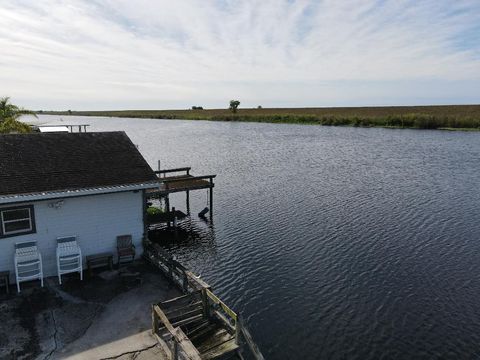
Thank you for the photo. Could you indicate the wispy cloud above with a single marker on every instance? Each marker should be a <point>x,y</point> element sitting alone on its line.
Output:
<point>160,54</point>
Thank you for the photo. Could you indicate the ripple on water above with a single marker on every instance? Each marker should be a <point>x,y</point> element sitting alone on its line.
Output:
<point>334,243</point>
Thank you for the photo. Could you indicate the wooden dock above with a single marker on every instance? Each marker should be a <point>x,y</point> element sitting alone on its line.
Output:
<point>197,325</point>
<point>183,182</point>
<point>172,182</point>
<point>200,336</point>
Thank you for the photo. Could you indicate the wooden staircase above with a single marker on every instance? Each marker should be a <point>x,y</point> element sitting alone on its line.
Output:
<point>198,325</point>
<point>210,337</point>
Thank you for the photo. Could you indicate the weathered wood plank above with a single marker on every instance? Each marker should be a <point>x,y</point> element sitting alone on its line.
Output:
<point>186,345</point>
<point>188,320</point>
<point>196,282</point>
<point>226,347</point>
<point>216,338</point>
<point>173,311</point>
<point>186,314</point>
<point>251,344</point>
<point>163,318</point>
<point>175,300</point>
<point>224,307</point>
<point>173,170</point>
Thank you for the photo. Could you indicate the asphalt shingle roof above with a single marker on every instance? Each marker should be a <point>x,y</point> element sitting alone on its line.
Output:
<point>31,163</point>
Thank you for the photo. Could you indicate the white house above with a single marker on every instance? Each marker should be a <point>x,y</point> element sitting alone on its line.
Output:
<point>90,185</point>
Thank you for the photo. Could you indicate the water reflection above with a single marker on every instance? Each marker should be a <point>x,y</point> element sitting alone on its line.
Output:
<point>331,242</point>
<point>189,235</point>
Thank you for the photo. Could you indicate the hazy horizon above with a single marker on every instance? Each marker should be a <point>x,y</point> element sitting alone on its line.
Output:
<point>116,55</point>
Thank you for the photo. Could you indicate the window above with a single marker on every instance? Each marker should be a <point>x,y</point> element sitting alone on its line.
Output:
<point>17,221</point>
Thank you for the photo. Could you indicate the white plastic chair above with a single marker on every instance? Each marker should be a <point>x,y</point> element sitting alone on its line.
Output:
<point>69,257</point>
<point>28,263</point>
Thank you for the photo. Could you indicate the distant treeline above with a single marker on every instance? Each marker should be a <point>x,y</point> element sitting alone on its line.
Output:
<point>417,117</point>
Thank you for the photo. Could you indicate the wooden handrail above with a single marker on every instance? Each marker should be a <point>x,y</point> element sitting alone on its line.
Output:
<point>224,307</point>
<point>184,342</point>
<point>178,336</point>
<point>187,169</point>
<point>249,340</point>
<point>163,318</point>
<point>203,177</point>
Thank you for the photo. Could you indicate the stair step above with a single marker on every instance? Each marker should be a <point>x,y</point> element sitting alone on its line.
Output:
<point>174,311</point>
<point>187,321</point>
<point>202,334</point>
<point>223,350</point>
<point>193,330</point>
<point>185,315</point>
<point>219,342</point>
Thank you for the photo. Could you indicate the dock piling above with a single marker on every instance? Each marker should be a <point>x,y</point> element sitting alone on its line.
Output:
<point>179,183</point>
<point>211,199</point>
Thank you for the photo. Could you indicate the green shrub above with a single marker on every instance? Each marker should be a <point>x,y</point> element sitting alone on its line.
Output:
<point>153,210</point>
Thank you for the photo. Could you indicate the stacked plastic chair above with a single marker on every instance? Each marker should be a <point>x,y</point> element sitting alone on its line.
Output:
<point>28,263</point>
<point>69,257</point>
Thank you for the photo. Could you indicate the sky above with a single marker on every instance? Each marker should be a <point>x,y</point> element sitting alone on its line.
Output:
<point>124,54</point>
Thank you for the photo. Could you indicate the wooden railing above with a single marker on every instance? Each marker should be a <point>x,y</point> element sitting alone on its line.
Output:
<point>202,177</point>
<point>181,347</point>
<point>186,169</point>
<point>212,304</point>
<point>175,271</point>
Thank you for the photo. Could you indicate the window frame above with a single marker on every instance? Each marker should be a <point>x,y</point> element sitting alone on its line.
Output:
<point>31,218</point>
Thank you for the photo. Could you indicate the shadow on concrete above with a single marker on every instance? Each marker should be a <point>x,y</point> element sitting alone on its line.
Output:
<point>102,317</point>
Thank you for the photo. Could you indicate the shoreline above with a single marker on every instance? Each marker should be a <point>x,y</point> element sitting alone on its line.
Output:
<point>443,117</point>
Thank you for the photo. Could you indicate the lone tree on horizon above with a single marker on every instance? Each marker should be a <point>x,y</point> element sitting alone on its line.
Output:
<point>9,115</point>
<point>234,106</point>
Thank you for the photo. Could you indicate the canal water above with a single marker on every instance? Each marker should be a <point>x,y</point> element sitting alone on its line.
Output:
<point>332,242</point>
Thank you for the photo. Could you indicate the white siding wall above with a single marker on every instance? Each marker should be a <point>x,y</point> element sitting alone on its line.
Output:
<point>96,221</point>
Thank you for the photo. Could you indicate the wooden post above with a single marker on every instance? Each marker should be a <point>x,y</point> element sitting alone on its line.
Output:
<point>188,202</point>
<point>167,204</point>
<point>174,349</point>
<point>206,310</point>
<point>154,321</point>
<point>185,283</point>
<point>238,330</point>
<point>174,217</point>
<point>211,202</point>
<point>170,271</point>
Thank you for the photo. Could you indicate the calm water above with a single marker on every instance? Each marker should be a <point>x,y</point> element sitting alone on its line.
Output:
<point>333,243</point>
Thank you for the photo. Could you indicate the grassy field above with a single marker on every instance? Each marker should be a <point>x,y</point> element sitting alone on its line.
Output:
<point>455,117</point>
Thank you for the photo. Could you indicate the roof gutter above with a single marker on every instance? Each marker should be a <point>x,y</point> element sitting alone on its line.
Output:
<point>47,195</point>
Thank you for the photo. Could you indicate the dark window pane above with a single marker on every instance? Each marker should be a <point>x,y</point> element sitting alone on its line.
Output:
<point>15,214</point>
<point>17,225</point>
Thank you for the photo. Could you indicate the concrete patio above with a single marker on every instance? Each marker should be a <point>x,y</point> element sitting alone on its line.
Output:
<point>106,316</point>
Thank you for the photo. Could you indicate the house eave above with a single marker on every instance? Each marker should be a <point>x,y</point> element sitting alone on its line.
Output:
<point>48,195</point>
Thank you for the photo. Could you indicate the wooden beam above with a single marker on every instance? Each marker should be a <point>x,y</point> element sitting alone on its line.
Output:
<point>211,199</point>
<point>196,282</point>
<point>224,307</point>
<point>188,178</point>
<point>251,344</point>
<point>186,169</point>
<point>190,350</point>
